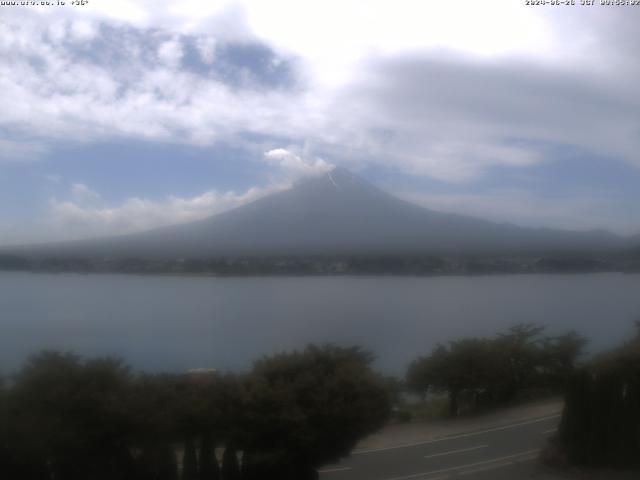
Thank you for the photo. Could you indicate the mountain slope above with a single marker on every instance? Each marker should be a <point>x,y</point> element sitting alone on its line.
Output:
<point>336,213</point>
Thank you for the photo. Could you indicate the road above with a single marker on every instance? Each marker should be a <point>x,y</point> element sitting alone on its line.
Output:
<point>501,452</point>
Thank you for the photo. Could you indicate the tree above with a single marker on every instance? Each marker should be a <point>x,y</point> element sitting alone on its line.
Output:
<point>230,466</point>
<point>418,378</point>
<point>521,355</point>
<point>309,408</point>
<point>155,406</point>
<point>17,457</point>
<point>209,468</point>
<point>600,425</point>
<point>189,460</point>
<point>494,370</point>
<point>468,365</point>
<point>560,356</point>
<point>157,462</point>
<point>70,417</point>
<point>5,448</point>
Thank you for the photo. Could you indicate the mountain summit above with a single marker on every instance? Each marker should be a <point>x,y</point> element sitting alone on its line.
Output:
<point>335,213</point>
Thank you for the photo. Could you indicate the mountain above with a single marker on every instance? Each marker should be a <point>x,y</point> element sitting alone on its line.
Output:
<point>336,213</point>
<point>634,252</point>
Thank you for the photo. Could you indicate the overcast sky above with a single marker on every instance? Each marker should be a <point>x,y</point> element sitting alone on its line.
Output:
<point>118,116</point>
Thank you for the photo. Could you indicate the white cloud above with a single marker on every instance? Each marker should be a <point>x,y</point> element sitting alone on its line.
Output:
<point>335,36</point>
<point>170,52</point>
<point>432,88</point>
<point>586,210</point>
<point>460,162</point>
<point>50,92</point>
<point>20,150</point>
<point>82,30</point>
<point>294,166</point>
<point>86,214</point>
<point>206,48</point>
<point>82,217</point>
<point>81,191</point>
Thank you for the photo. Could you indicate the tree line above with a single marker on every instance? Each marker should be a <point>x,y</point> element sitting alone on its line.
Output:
<point>477,372</point>
<point>600,425</point>
<point>67,418</point>
<point>373,264</point>
<point>63,417</point>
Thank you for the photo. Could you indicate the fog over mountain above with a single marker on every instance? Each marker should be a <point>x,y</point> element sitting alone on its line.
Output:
<point>337,213</point>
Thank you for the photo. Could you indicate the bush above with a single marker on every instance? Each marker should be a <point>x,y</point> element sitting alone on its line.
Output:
<point>600,425</point>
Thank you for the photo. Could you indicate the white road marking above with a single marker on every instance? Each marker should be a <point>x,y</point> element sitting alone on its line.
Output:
<point>495,466</point>
<point>451,452</point>
<point>499,460</point>
<point>552,430</point>
<point>486,468</point>
<point>455,437</point>
<point>337,469</point>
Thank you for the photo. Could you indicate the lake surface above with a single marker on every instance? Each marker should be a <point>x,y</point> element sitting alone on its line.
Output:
<point>175,323</point>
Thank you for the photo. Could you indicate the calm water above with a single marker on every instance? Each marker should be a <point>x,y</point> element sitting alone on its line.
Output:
<point>176,323</point>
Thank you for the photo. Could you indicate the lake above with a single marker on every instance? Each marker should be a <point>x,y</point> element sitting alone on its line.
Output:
<point>176,323</point>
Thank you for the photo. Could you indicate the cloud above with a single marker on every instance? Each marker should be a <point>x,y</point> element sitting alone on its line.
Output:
<point>455,119</point>
<point>83,30</point>
<point>12,151</point>
<point>52,178</point>
<point>87,214</point>
<point>416,86</point>
<point>68,95</point>
<point>587,210</point>
<point>294,166</point>
<point>126,83</point>
<point>206,48</point>
<point>82,217</point>
<point>81,191</point>
<point>170,52</point>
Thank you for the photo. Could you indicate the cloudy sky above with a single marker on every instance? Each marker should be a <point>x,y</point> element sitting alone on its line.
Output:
<point>123,115</point>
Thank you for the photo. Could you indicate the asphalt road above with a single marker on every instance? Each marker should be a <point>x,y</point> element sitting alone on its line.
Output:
<point>502,452</point>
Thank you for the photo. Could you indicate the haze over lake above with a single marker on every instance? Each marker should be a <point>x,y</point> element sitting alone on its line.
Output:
<point>176,323</point>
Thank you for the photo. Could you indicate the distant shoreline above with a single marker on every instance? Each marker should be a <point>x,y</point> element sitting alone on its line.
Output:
<point>364,265</point>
